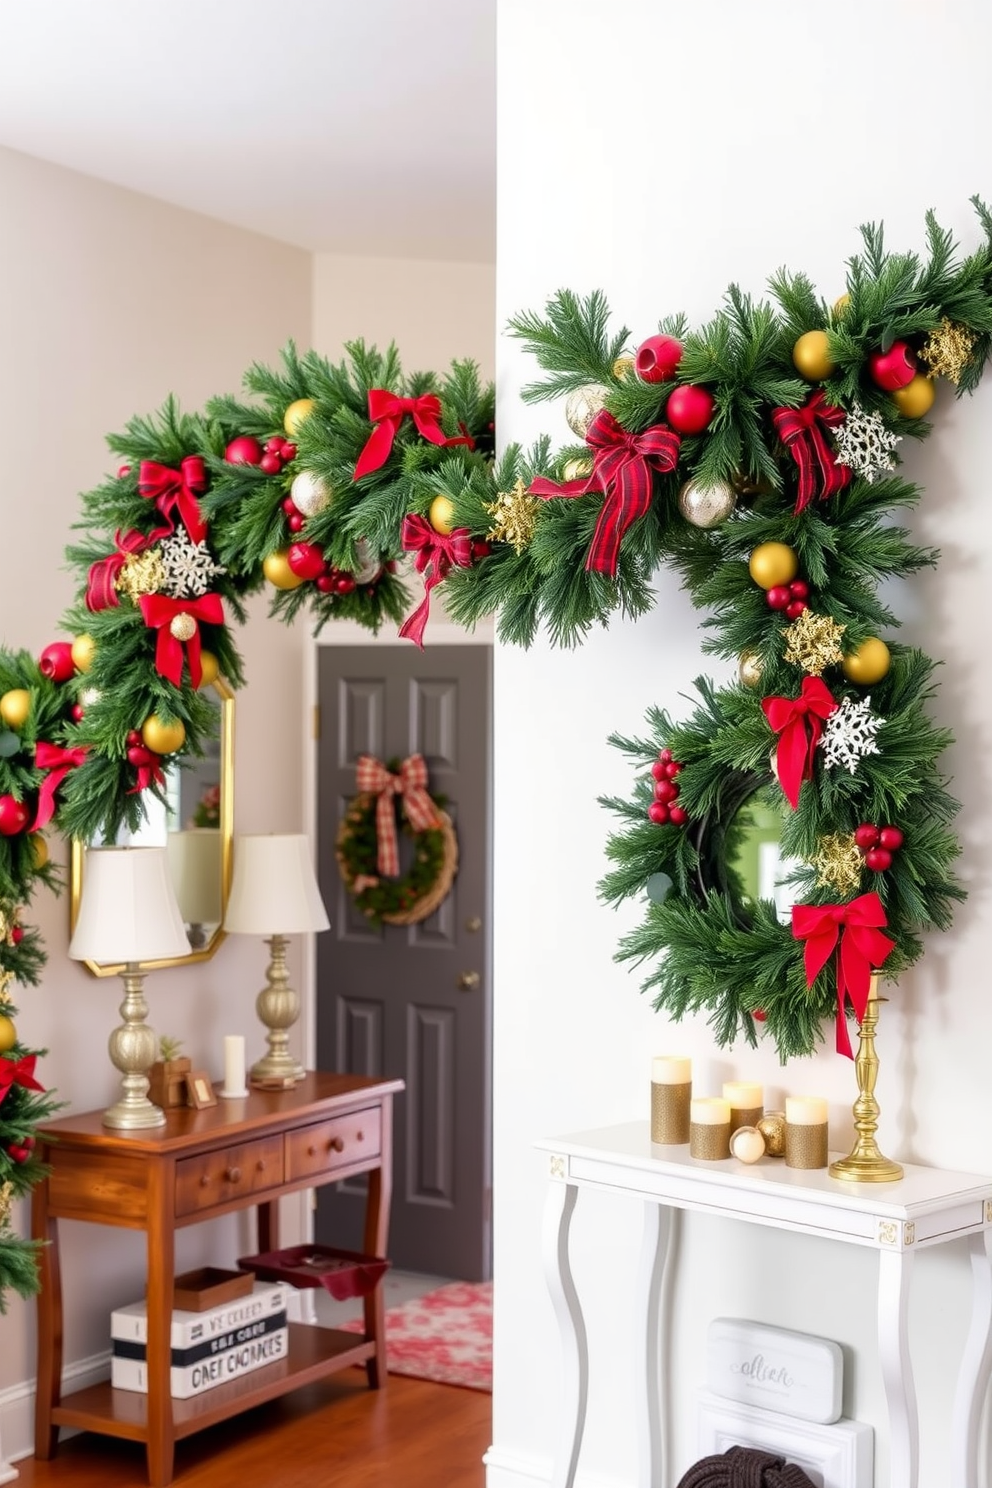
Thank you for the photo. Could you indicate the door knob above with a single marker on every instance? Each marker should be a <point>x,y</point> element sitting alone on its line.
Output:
<point>473,924</point>
<point>468,981</point>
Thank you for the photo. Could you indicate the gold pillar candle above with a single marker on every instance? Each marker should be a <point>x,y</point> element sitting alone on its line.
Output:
<point>671,1091</point>
<point>805,1132</point>
<point>709,1129</point>
<point>747,1102</point>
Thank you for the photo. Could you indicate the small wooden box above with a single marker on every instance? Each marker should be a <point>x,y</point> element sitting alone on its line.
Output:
<point>198,1291</point>
<point>167,1082</point>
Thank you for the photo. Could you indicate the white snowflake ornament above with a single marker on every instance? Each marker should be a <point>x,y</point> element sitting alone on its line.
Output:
<point>849,734</point>
<point>864,444</point>
<point>189,566</point>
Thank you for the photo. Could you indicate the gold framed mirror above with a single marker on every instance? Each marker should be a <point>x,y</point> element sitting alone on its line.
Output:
<point>196,826</point>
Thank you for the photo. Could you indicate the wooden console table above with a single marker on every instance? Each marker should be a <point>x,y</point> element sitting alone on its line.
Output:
<point>926,1207</point>
<point>200,1165</point>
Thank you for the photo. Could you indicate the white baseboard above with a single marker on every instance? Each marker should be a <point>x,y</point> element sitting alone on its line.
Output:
<point>508,1470</point>
<point>17,1410</point>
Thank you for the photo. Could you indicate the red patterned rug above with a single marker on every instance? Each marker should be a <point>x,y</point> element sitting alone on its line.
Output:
<point>445,1336</point>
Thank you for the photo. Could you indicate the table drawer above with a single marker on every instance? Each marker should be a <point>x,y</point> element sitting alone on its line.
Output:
<point>334,1144</point>
<point>215,1178</point>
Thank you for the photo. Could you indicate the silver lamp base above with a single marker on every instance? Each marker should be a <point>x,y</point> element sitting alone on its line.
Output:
<point>132,1051</point>
<point>278,1008</point>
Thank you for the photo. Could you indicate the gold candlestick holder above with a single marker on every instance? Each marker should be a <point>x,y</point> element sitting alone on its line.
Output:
<point>865,1163</point>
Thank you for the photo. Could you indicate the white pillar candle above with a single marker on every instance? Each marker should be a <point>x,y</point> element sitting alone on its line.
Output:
<point>234,1065</point>
<point>744,1095</point>
<point>671,1069</point>
<point>805,1110</point>
<point>710,1111</point>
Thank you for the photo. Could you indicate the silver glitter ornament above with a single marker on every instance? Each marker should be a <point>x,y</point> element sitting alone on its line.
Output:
<point>310,493</point>
<point>582,406</point>
<point>707,503</point>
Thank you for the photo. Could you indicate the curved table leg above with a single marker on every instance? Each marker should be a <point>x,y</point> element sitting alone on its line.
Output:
<point>572,1329</point>
<point>976,1365</point>
<point>652,1300</point>
<point>894,1272</point>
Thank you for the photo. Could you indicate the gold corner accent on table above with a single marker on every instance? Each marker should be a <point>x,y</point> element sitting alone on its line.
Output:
<point>888,1232</point>
<point>556,1167</point>
<point>865,1163</point>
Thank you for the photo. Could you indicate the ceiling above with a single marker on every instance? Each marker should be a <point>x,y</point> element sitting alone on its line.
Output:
<point>341,126</point>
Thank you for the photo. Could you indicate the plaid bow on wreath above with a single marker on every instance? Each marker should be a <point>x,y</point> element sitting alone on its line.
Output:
<point>410,783</point>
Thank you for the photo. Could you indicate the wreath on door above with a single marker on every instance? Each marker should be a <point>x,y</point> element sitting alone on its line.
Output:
<point>393,799</point>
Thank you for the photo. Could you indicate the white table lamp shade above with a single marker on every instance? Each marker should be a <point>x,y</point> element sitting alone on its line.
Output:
<point>195,866</point>
<point>128,910</point>
<point>274,889</point>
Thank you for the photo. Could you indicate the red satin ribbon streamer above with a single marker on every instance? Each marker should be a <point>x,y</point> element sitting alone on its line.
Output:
<point>175,492</point>
<point>621,468</point>
<point>159,612</point>
<point>58,762</point>
<point>410,783</point>
<point>857,925</point>
<point>149,765</point>
<point>387,411</point>
<point>438,553</point>
<point>101,593</point>
<point>800,431</point>
<point>18,1072</point>
<point>791,718</point>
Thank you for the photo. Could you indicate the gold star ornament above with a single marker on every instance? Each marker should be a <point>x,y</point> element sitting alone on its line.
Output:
<point>813,642</point>
<point>838,862</point>
<point>514,514</point>
<point>947,350</point>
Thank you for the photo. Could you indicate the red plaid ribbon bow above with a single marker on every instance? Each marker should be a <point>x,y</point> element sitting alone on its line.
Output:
<point>58,762</point>
<point>387,411</point>
<point>159,612</point>
<point>790,718</point>
<point>437,553</point>
<point>175,492</point>
<point>410,783</point>
<point>101,592</point>
<point>621,468</point>
<point>18,1072</point>
<point>857,926</point>
<point>800,431</point>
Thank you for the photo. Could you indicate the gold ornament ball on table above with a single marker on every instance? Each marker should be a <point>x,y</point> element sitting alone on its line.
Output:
<point>773,563</point>
<point>811,356</point>
<point>868,664</point>
<point>750,668</point>
<point>83,650</point>
<point>276,569</point>
<point>442,515</point>
<point>162,737</point>
<point>209,667</point>
<point>582,406</point>
<point>8,1034</point>
<point>772,1128</point>
<point>295,414</point>
<point>915,400</point>
<point>707,504</point>
<point>15,707</point>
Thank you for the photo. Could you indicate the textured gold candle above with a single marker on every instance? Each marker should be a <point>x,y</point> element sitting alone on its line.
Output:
<point>805,1132</point>
<point>747,1102</point>
<point>709,1129</point>
<point>671,1091</point>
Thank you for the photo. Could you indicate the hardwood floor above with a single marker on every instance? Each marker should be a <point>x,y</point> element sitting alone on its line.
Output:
<point>338,1434</point>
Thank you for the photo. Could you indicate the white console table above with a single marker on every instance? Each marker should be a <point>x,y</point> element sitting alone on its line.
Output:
<point>926,1207</point>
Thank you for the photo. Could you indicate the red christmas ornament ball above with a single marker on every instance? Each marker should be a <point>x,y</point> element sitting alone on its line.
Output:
<point>270,464</point>
<point>799,589</point>
<point>56,662</point>
<point>134,737</point>
<point>325,583</point>
<point>658,813</point>
<point>657,358</point>
<point>17,1153</point>
<point>891,838</point>
<point>894,368</point>
<point>866,836</point>
<point>243,451</point>
<point>665,791</point>
<point>17,933</point>
<point>795,608</point>
<point>689,409</point>
<point>14,816</point>
<point>778,597</point>
<point>123,470</point>
<point>306,560</point>
<point>678,816</point>
<point>77,712</point>
<point>878,859</point>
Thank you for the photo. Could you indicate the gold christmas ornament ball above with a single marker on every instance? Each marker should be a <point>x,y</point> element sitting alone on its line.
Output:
<point>577,469</point>
<point>750,668</point>
<point>915,400</point>
<point>773,563</point>
<point>582,406</point>
<point>83,651</point>
<point>276,569</point>
<point>8,1034</point>
<point>811,356</point>
<point>295,414</point>
<point>707,503</point>
<point>182,627</point>
<point>840,305</point>
<point>622,367</point>
<point>209,667</point>
<point>162,737</point>
<point>868,664</point>
<point>442,515</point>
<point>772,1128</point>
<point>15,707</point>
<point>39,849</point>
<point>310,493</point>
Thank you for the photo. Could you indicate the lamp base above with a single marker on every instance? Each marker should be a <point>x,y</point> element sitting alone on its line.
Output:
<point>278,1008</point>
<point>137,1115</point>
<point>132,1049</point>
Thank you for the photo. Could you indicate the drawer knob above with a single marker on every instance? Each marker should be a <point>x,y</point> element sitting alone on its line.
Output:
<point>204,1180</point>
<point>312,1150</point>
<point>337,1144</point>
<point>233,1175</point>
<point>359,1136</point>
<point>260,1165</point>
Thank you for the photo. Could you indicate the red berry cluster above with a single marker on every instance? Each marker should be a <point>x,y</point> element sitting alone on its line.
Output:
<point>19,1152</point>
<point>138,752</point>
<point>789,597</point>
<point>878,844</point>
<point>247,451</point>
<point>664,808</point>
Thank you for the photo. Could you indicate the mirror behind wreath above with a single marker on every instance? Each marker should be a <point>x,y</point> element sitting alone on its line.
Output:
<point>195,825</point>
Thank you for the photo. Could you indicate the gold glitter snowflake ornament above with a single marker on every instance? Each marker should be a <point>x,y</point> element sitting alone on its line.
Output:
<point>838,862</point>
<point>514,513</point>
<point>142,573</point>
<point>813,642</point>
<point>947,350</point>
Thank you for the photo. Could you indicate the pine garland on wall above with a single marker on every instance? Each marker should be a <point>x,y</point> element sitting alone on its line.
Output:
<point>758,457</point>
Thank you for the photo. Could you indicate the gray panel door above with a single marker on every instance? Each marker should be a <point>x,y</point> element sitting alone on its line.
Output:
<point>413,1001</point>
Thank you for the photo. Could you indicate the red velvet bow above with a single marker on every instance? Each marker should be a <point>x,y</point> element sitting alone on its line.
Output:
<point>58,762</point>
<point>387,411</point>
<point>862,948</point>
<point>101,592</point>
<point>800,431</point>
<point>18,1072</point>
<point>159,612</point>
<point>149,767</point>
<point>621,468</point>
<point>439,553</point>
<point>175,491</point>
<point>410,783</point>
<point>790,718</point>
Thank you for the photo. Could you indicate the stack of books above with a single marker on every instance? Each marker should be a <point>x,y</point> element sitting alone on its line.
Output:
<point>208,1348</point>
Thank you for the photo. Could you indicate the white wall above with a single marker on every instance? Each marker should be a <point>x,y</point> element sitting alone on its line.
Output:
<point>663,152</point>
